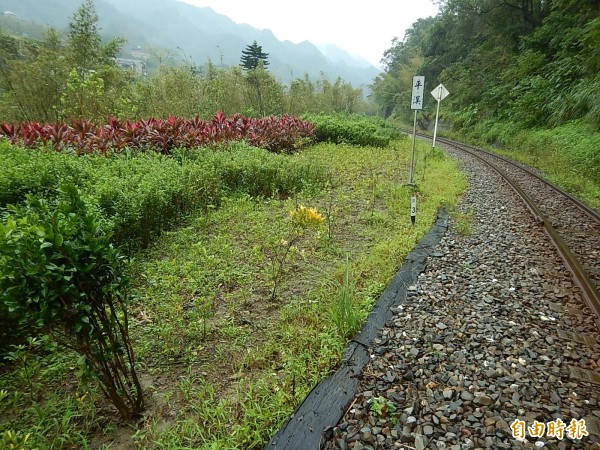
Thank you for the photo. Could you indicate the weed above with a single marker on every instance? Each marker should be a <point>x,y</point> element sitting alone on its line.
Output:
<point>28,365</point>
<point>464,221</point>
<point>381,407</point>
<point>345,314</point>
<point>302,219</point>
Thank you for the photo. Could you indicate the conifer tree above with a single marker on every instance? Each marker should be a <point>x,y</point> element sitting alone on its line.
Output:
<point>252,55</point>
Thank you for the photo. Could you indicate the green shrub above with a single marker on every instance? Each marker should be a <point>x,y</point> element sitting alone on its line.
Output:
<point>149,193</point>
<point>36,172</point>
<point>354,129</point>
<point>257,172</point>
<point>143,194</point>
<point>60,274</point>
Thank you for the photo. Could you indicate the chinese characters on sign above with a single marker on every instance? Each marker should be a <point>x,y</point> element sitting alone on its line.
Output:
<point>556,429</point>
<point>417,92</point>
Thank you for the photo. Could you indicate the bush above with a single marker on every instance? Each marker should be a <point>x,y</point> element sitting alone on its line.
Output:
<point>138,196</point>
<point>254,171</point>
<point>142,195</point>
<point>355,129</point>
<point>25,172</point>
<point>59,274</point>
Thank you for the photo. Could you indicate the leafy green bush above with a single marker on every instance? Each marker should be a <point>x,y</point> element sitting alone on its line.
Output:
<point>149,193</point>
<point>25,172</point>
<point>242,168</point>
<point>355,129</point>
<point>60,274</point>
<point>140,196</point>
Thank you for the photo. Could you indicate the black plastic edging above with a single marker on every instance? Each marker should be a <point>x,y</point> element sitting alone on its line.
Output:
<point>327,401</point>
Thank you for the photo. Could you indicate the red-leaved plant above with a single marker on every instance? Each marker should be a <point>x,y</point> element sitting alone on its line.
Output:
<point>277,134</point>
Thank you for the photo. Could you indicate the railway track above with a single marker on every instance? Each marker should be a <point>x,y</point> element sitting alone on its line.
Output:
<point>572,226</point>
<point>492,335</point>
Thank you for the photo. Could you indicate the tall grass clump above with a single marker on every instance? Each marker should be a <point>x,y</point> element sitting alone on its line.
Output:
<point>345,313</point>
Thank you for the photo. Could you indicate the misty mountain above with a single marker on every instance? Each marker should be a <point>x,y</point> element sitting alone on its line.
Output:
<point>338,55</point>
<point>196,34</point>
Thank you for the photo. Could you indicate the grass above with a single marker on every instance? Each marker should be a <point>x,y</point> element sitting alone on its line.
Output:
<point>568,155</point>
<point>223,361</point>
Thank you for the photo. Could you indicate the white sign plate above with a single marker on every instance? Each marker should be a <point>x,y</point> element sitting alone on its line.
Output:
<point>418,89</point>
<point>440,93</point>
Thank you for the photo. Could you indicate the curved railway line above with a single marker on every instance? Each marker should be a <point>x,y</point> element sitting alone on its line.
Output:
<point>488,332</point>
<point>572,226</point>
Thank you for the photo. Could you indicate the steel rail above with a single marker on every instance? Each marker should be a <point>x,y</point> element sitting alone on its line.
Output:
<point>590,293</point>
<point>595,215</point>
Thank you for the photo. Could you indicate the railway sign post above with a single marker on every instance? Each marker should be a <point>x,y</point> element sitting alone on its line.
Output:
<point>416,103</point>
<point>439,93</point>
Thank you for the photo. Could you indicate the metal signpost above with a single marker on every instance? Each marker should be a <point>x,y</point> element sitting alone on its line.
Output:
<point>416,103</point>
<point>439,93</point>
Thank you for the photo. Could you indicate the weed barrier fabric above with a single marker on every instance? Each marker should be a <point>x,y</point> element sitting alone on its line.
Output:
<point>310,424</point>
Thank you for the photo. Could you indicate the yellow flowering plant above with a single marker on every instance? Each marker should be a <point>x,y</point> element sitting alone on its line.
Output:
<point>302,219</point>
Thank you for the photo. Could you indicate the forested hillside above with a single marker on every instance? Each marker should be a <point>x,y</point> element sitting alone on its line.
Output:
<point>530,62</point>
<point>523,75</point>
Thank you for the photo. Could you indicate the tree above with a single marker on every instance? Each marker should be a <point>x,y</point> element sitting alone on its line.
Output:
<point>32,78</point>
<point>252,56</point>
<point>84,44</point>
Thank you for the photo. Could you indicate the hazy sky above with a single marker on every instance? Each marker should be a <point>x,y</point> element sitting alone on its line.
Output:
<point>364,28</point>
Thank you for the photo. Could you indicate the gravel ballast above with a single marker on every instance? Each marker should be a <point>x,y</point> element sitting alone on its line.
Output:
<point>483,339</point>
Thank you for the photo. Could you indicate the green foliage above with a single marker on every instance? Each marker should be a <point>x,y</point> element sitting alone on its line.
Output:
<point>253,56</point>
<point>84,44</point>
<point>60,273</point>
<point>353,129</point>
<point>568,154</point>
<point>144,195</point>
<point>532,63</point>
<point>259,173</point>
<point>263,94</point>
<point>47,81</point>
<point>381,407</point>
<point>83,97</point>
<point>25,172</point>
<point>32,79</point>
<point>321,96</point>
<point>345,312</point>
<point>155,97</point>
<point>140,196</point>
